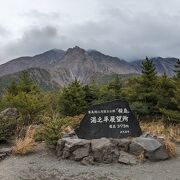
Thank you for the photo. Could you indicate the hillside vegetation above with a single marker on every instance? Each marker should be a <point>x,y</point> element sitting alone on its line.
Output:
<point>151,97</point>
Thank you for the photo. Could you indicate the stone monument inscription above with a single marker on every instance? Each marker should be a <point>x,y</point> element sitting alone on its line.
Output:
<point>111,120</point>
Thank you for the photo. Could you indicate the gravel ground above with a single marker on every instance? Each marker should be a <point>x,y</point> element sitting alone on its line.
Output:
<point>43,165</point>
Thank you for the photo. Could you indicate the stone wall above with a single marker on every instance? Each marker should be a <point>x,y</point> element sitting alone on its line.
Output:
<point>126,151</point>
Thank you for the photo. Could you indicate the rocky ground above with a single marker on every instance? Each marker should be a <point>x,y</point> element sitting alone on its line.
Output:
<point>44,165</point>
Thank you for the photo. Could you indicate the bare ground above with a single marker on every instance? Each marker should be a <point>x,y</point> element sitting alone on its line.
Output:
<point>44,165</point>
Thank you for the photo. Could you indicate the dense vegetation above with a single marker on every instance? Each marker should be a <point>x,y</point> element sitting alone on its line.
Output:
<point>150,97</point>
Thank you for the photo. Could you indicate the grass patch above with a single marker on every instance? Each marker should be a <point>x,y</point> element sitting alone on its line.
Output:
<point>27,144</point>
<point>157,128</point>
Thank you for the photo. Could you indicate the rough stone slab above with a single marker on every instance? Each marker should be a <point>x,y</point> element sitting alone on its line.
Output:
<point>60,146</point>
<point>9,112</point>
<point>126,158</point>
<point>75,149</point>
<point>2,156</point>
<point>158,155</point>
<point>6,151</point>
<point>148,144</point>
<point>81,152</point>
<point>104,150</point>
<point>122,144</point>
<point>135,149</point>
<point>75,142</point>
<point>100,143</point>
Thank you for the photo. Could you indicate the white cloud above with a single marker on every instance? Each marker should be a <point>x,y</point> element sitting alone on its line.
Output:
<point>129,29</point>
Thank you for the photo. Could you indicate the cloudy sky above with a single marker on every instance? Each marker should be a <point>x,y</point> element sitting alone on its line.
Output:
<point>129,29</point>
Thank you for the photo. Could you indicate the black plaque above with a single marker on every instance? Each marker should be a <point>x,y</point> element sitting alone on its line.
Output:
<point>111,120</point>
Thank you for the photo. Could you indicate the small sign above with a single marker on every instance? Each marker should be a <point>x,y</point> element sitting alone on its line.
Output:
<point>111,120</point>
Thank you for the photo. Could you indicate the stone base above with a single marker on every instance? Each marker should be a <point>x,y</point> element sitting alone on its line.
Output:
<point>125,151</point>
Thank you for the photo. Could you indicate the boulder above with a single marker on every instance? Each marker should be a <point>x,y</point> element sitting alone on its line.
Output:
<point>81,152</point>
<point>2,156</point>
<point>104,150</point>
<point>148,144</point>
<point>126,158</point>
<point>9,113</point>
<point>157,155</point>
<point>122,144</point>
<point>142,144</point>
<point>60,147</point>
<point>6,151</point>
<point>75,149</point>
<point>135,149</point>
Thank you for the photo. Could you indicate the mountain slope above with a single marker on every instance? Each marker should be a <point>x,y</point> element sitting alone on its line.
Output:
<point>163,65</point>
<point>81,64</point>
<point>58,68</point>
<point>44,60</point>
<point>40,76</point>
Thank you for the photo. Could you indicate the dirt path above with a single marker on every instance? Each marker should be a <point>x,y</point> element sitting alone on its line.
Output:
<point>43,165</point>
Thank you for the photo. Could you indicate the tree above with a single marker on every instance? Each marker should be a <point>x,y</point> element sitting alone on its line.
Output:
<point>173,113</point>
<point>115,87</point>
<point>149,73</point>
<point>165,92</point>
<point>91,94</point>
<point>72,99</point>
<point>142,90</point>
<point>26,97</point>
<point>13,88</point>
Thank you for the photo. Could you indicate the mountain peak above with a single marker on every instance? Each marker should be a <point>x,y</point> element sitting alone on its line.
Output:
<point>75,51</point>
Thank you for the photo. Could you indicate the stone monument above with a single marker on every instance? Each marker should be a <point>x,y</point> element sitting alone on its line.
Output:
<point>110,120</point>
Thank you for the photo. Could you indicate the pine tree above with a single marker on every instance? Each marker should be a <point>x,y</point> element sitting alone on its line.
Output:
<point>115,87</point>
<point>149,73</point>
<point>143,93</point>
<point>26,97</point>
<point>72,99</point>
<point>13,88</point>
<point>173,113</point>
<point>165,92</point>
<point>91,94</point>
<point>26,84</point>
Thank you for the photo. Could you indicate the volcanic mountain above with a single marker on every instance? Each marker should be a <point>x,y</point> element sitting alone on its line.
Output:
<point>58,68</point>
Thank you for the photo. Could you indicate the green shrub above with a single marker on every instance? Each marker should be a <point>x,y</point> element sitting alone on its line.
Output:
<point>72,99</point>
<point>7,128</point>
<point>54,127</point>
<point>27,98</point>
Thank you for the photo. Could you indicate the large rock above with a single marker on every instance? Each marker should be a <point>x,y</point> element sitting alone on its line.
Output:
<point>148,144</point>
<point>6,151</point>
<point>135,149</point>
<point>157,155</point>
<point>142,144</point>
<point>104,150</point>
<point>126,158</point>
<point>81,152</point>
<point>9,113</point>
<point>122,144</point>
<point>60,147</point>
<point>2,156</point>
<point>75,149</point>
